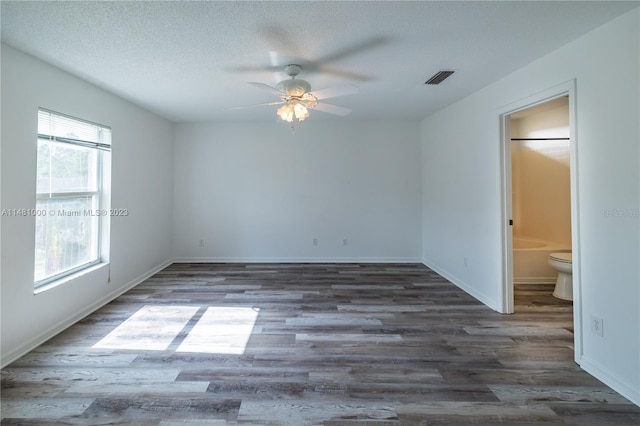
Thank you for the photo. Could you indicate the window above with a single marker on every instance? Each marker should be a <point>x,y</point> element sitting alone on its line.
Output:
<point>72,166</point>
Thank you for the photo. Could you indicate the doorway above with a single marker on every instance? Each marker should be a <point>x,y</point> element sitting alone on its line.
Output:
<point>541,201</point>
<point>539,147</point>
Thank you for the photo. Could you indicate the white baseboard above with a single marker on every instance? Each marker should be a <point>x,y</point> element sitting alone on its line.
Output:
<point>483,298</point>
<point>610,379</point>
<point>533,280</point>
<point>36,341</point>
<point>296,260</point>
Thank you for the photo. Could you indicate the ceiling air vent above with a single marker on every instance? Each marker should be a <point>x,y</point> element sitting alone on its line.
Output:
<point>439,77</point>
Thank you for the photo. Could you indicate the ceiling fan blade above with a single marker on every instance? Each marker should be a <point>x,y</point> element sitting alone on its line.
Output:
<point>267,87</point>
<point>332,109</point>
<point>256,68</point>
<point>332,92</point>
<point>274,60</point>
<point>345,74</point>
<point>282,38</point>
<point>354,49</point>
<point>257,105</point>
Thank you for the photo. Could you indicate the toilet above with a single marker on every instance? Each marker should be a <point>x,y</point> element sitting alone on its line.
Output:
<point>561,262</point>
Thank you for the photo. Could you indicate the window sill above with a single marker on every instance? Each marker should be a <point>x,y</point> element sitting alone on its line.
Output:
<point>67,278</point>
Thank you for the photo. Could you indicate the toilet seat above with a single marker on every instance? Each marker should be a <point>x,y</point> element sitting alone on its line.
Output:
<point>561,257</point>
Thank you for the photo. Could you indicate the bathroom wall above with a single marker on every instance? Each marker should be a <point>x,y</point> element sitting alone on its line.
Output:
<point>541,188</point>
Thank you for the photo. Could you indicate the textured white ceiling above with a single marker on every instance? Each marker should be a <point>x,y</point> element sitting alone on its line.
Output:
<point>191,61</point>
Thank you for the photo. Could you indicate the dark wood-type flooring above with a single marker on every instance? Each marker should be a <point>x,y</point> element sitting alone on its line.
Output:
<point>332,344</point>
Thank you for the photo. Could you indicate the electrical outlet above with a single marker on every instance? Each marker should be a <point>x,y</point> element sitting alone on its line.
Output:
<point>597,326</point>
<point>464,261</point>
<point>345,242</point>
<point>315,241</point>
<point>201,243</point>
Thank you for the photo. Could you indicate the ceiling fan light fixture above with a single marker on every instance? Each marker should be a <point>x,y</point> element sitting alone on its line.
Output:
<point>286,113</point>
<point>309,100</point>
<point>297,98</point>
<point>293,109</point>
<point>300,111</point>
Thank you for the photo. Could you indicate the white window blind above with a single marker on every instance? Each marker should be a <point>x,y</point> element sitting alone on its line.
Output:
<point>57,127</point>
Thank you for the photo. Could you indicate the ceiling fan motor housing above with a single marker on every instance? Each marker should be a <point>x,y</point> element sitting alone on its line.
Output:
<point>294,87</point>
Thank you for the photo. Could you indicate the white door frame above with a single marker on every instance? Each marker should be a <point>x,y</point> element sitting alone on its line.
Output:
<point>567,88</point>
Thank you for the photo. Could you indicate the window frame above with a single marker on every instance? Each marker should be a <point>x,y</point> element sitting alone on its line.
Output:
<point>99,203</point>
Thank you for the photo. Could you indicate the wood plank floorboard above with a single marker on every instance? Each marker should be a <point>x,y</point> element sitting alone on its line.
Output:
<point>310,344</point>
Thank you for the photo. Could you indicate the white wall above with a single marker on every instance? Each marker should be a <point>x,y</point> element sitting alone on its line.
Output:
<point>257,192</point>
<point>142,181</point>
<point>462,190</point>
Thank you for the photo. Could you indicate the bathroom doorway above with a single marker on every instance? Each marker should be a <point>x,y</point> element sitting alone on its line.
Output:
<point>540,214</point>
<point>541,201</point>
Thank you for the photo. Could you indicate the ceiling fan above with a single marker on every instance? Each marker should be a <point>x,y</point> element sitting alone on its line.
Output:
<point>297,98</point>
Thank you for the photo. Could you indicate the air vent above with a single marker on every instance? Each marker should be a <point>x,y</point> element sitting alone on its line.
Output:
<point>439,77</point>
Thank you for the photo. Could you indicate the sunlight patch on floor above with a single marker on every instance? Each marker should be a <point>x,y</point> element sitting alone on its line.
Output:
<point>221,331</point>
<point>151,328</point>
